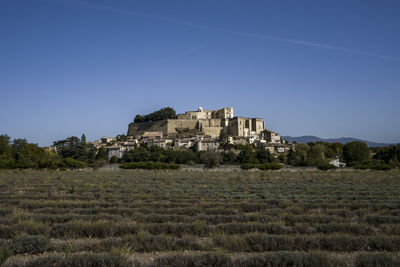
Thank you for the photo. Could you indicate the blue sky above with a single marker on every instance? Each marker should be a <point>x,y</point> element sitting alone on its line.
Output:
<point>324,68</point>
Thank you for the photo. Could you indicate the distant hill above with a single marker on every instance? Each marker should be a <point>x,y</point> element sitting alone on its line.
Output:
<point>309,138</point>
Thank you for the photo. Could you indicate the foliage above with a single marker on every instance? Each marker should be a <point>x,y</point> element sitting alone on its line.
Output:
<point>223,138</point>
<point>264,156</point>
<point>149,166</point>
<point>390,155</point>
<point>326,166</point>
<point>210,159</point>
<point>23,155</point>
<point>261,166</point>
<point>314,154</point>
<point>379,167</point>
<point>162,114</point>
<point>33,244</point>
<point>115,159</point>
<point>356,153</point>
<point>5,252</point>
<point>71,163</point>
<point>199,218</point>
<point>78,260</point>
<point>246,155</point>
<point>73,147</point>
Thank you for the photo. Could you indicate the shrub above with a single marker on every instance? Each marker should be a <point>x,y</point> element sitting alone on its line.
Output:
<point>326,166</point>
<point>5,252</point>
<point>362,166</point>
<point>210,159</point>
<point>376,259</point>
<point>149,166</point>
<point>33,244</point>
<point>286,258</point>
<point>247,166</point>
<point>115,159</point>
<point>71,163</point>
<point>264,166</point>
<point>78,260</point>
<point>204,259</point>
<point>98,229</point>
<point>381,167</point>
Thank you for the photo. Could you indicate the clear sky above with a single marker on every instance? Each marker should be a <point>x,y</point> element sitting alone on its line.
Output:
<point>324,68</point>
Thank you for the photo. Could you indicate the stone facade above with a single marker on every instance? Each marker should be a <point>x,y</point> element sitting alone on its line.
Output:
<point>270,136</point>
<point>207,122</point>
<point>198,130</point>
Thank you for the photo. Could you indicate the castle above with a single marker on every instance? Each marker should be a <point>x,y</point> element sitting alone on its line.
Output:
<point>200,130</point>
<point>202,122</point>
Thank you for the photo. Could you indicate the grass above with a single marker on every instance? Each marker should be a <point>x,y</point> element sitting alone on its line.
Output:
<point>191,218</point>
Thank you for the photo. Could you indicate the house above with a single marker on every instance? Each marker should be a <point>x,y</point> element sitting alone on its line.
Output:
<point>207,145</point>
<point>106,140</point>
<point>336,162</point>
<point>270,136</point>
<point>116,151</point>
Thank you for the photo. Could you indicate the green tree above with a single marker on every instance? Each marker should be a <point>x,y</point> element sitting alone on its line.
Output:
<point>356,153</point>
<point>223,138</point>
<point>315,155</point>
<point>121,137</point>
<point>210,159</point>
<point>101,153</point>
<point>229,157</point>
<point>263,155</point>
<point>6,159</point>
<point>73,147</point>
<point>389,154</point>
<point>298,155</point>
<point>162,114</point>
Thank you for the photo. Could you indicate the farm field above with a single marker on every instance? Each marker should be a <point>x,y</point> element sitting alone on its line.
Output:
<point>199,218</point>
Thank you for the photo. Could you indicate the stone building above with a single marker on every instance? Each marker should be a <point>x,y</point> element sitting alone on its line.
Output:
<point>270,136</point>
<point>116,151</point>
<point>206,122</point>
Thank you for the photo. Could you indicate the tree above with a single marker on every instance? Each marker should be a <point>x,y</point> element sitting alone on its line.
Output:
<point>83,140</point>
<point>389,154</point>
<point>298,156</point>
<point>138,118</point>
<point>356,153</point>
<point>315,155</point>
<point>263,155</point>
<point>101,153</point>
<point>121,137</point>
<point>6,160</point>
<point>162,114</point>
<point>210,159</point>
<point>229,157</point>
<point>73,147</point>
<point>223,138</point>
<point>5,144</point>
<point>245,155</point>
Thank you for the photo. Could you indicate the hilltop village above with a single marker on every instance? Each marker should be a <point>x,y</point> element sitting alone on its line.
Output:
<point>201,130</point>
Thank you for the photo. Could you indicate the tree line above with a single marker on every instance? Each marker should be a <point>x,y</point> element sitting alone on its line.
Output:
<point>71,153</point>
<point>74,152</point>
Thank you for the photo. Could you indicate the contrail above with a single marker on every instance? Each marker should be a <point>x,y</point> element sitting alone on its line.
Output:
<point>84,4</point>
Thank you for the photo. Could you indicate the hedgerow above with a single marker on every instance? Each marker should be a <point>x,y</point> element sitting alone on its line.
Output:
<point>261,166</point>
<point>149,166</point>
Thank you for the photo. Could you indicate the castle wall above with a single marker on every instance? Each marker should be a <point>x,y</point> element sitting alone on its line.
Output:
<point>138,128</point>
<point>173,124</point>
<point>212,131</point>
<point>257,125</point>
<point>210,122</point>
